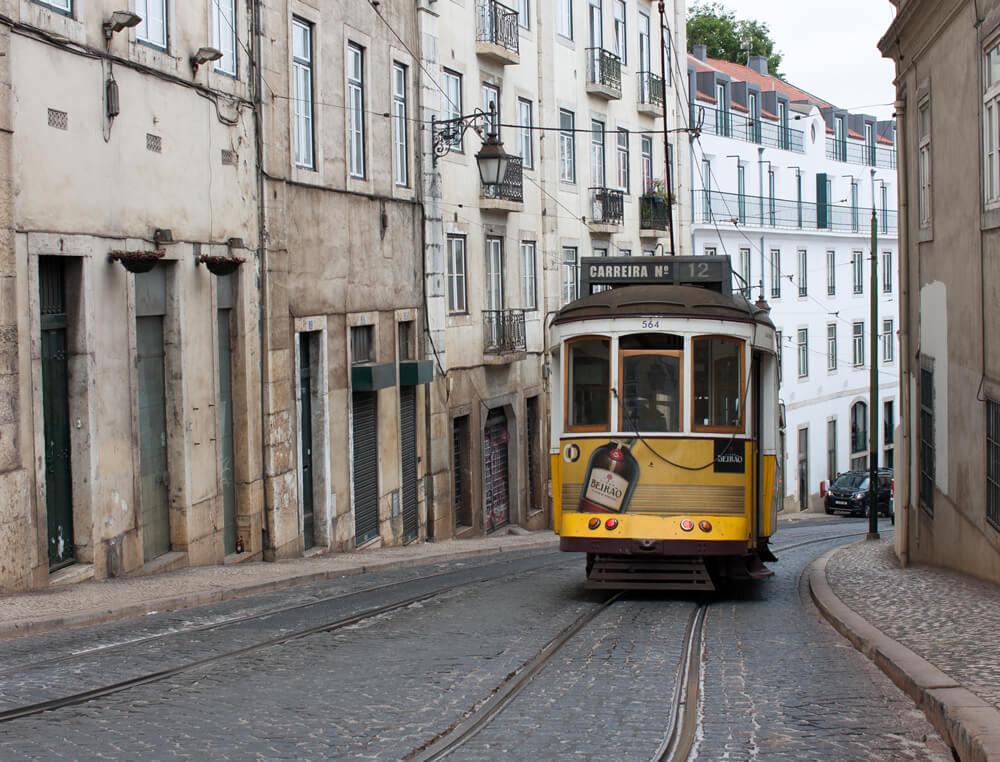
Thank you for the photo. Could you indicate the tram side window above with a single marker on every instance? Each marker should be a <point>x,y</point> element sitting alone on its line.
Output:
<point>651,390</point>
<point>718,384</point>
<point>589,385</point>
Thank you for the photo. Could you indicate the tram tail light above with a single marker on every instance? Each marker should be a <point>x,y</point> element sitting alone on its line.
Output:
<point>611,523</point>
<point>687,525</point>
<point>594,523</point>
<point>705,526</point>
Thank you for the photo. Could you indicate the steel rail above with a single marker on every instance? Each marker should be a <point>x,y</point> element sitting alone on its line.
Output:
<point>81,697</point>
<point>680,730</point>
<point>478,718</point>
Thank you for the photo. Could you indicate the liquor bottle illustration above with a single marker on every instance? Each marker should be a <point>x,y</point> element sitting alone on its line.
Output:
<point>612,474</point>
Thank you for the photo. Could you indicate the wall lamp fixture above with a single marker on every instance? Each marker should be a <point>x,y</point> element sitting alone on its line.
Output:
<point>492,159</point>
<point>120,20</point>
<point>203,56</point>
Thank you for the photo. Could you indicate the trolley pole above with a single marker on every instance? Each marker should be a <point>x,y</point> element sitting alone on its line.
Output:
<point>873,386</point>
<point>666,142</point>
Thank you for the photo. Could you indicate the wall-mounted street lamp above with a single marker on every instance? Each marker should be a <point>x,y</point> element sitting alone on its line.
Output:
<point>120,20</point>
<point>492,159</point>
<point>203,56</point>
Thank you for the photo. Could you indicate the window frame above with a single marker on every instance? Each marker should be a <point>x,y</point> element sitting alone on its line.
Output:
<point>302,122</point>
<point>457,282</point>
<point>54,5</point>
<point>991,125</point>
<point>142,35</point>
<point>887,333</point>
<point>886,272</point>
<point>355,84</point>
<point>646,162</point>
<point>567,397</point>
<point>858,343</point>
<point>526,120</point>
<point>621,31</point>
<point>453,110</point>
<point>742,386</point>
<point>775,273</point>
<point>622,160</point>
<point>803,258</point>
<point>229,52</point>
<point>858,272</point>
<point>567,146</point>
<point>859,433</point>
<point>400,136</point>
<point>802,346</point>
<point>570,267</point>
<point>831,347</point>
<point>564,23</point>
<point>925,188</point>
<point>494,269</point>
<point>529,282</point>
<point>524,14</point>
<point>831,272</point>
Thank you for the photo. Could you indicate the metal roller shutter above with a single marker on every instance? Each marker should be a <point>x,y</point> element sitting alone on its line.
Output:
<point>365,454</point>
<point>408,441</point>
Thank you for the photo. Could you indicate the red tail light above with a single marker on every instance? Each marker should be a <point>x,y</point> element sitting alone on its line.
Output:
<point>687,525</point>
<point>611,523</point>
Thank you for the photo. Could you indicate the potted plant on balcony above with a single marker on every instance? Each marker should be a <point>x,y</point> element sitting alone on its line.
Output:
<point>137,261</point>
<point>654,203</point>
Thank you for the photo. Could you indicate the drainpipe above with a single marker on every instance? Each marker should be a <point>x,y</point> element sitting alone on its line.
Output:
<point>903,239</point>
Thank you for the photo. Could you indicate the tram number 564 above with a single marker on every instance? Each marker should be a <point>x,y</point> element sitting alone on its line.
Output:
<point>650,323</point>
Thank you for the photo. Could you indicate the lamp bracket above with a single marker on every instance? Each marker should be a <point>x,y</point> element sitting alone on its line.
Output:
<point>446,133</point>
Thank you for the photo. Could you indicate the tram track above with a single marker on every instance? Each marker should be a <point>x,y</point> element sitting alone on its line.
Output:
<point>39,707</point>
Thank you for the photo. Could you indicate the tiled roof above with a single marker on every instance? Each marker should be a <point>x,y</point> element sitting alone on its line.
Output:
<point>765,81</point>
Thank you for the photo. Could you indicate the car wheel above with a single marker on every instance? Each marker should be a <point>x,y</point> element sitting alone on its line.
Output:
<point>828,512</point>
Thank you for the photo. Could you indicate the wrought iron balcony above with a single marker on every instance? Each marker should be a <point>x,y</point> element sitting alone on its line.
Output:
<point>741,127</point>
<point>503,332</point>
<point>859,153</point>
<point>604,73</point>
<point>650,89</point>
<point>496,25</point>
<point>609,206</point>
<point>653,212</point>
<point>716,207</point>
<point>512,187</point>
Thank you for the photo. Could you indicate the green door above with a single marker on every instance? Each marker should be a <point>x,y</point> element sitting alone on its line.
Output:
<point>152,437</point>
<point>305,416</point>
<point>228,486</point>
<point>55,407</point>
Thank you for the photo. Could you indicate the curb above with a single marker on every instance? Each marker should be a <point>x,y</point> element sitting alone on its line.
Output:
<point>968,724</point>
<point>52,623</point>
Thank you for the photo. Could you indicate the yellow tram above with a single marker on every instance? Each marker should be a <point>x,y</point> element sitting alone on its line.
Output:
<point>665,424</point>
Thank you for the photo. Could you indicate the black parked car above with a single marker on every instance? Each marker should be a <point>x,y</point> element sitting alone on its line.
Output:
<point>849,494</point>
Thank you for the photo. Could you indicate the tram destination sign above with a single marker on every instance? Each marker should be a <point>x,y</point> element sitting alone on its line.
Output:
<point>709,272</point>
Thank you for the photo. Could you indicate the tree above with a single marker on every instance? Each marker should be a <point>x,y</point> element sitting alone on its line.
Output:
<point>712,25</point>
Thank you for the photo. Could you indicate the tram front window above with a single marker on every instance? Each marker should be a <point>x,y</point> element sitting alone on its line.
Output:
<point>718,384</point>
<point>651,391</point>
<point>589,385</point>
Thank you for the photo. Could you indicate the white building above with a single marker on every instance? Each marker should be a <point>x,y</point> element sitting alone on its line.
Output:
<point>785,184</point>
<point>576,88</point>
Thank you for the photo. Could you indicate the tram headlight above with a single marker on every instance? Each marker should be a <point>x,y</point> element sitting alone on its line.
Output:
<point>611,523</point>
<point>705,525</point>
<point>594,523</point>
<point>687,525</point>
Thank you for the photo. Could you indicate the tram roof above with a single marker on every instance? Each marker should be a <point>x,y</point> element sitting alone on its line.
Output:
<point>668,301</point>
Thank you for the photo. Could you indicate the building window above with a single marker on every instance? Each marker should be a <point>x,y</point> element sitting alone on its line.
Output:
<point>771,213</point>
<point>840,142</point>
<point>887,340</point>
<point>991,125</point>
<point>571,275</point>
<point>153,27</point>
<point>831,273</point>
<point>362,344</point>
<point>803,468</point>
<point>744,272</point>
<point>741,193</point>
<point>993,462</point>
<point>597,153</point>
<point>798,197</point>
<point>644,52</point>
<point>869,144</point>
<point>224,34</point>
<point>886,272</point>
<point>721,117</point>
<point>924,198</point>
<point>65,6</point>
<point>621,48</point>
<point>884,194</point>
<point>706,181</point>
<point>855,222</point>
<point>528,288</point>
<point>888,433</point>
<point>524,119</point>
<point>399,137</point>
<point>523,14</point>
<point>453,103</point>
<point>803,352</point>
<point>927,453</point>
<point>753,119</point>
<point>623,177</point>
<point>646,155</point>
<point>783,125</point>
<point>858,344</point>
<point>565,22</point>
<point>831,450</point>
<point>859,436</point>
<point>494,274</point>
<point>781,348</point>
<point>857,268</point>
<point>775,273</point>
<point>302,76</point>
<point>491,105</point>
<point>803,269</point>
<point>456,274</point>
<point>356,110</point>
<point>831,346</point>
<point>567,147</point>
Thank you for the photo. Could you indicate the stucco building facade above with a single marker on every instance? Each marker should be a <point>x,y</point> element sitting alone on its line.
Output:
<point>947,495</point>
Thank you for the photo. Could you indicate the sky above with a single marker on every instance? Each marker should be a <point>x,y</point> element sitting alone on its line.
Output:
<point>830,50</point>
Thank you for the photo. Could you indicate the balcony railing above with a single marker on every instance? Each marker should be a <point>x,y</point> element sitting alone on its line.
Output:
<point>609,206</point>
<point>503,331</point>
<point>726,208</point>
<point>496,23</point>
<point>859,153</point>
<point>512,187</point>
<point>653,213</point>
<point>741,127</point>
<point>604,68</point>
<point>650,88</point>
